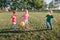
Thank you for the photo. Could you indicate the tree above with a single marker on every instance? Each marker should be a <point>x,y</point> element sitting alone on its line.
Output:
<point>38,4</point>
<point>14,5</point>
<point>2,4</point>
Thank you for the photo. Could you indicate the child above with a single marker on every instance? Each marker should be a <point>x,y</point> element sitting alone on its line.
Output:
<point>14,20</point>
<point>48,19</point>
<point>25,18</point>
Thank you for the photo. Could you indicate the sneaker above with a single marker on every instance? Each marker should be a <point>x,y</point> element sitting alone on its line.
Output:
<point>50,28</point>
<point>14,30</point>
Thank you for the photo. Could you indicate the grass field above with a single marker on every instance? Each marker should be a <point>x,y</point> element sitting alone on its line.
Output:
<point>36,24</point>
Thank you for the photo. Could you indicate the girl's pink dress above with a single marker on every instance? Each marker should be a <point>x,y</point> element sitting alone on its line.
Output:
<point>25,16</point>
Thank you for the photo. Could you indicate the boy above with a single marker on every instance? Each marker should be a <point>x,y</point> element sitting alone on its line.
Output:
<point>49,16</point>
<point>14,20</point>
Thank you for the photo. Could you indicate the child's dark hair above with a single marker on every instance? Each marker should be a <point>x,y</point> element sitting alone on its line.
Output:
<point>13,12</point>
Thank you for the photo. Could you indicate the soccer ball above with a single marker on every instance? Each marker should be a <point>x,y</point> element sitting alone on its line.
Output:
<point>22,24</point>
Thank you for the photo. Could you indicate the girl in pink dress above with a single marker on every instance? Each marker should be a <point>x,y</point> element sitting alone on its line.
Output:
<point>25,18</point>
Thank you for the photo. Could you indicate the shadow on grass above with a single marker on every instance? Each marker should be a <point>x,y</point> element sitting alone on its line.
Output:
<point>20,31</point>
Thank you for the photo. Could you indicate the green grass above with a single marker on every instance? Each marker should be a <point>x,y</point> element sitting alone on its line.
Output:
<point>36,22</point>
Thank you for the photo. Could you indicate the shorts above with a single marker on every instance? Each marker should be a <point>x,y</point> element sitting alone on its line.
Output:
<point>14,22</point>
<point>26,21</point>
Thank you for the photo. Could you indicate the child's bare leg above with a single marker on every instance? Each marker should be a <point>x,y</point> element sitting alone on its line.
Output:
<point>27,25</point>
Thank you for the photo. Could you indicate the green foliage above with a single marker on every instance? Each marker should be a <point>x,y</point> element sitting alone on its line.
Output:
<point>38,3</point>
<point>24,3</point>
<point>2,3</point>
<point>33,3</point>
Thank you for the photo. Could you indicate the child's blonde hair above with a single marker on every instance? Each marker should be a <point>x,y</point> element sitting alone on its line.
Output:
<point>26,10</point>
<point>50,11</point>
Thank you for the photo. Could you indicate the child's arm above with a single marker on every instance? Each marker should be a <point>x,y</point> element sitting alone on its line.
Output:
<point>55,20</point>
<point>21,16</point>
<point>11,17</point>
<point>29,16</point>
<point>43,16</point>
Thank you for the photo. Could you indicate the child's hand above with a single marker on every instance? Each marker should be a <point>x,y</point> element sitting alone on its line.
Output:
<point>56,21</point>
<point>21,16</point>
<point>30,16</point>
<point>43,17</point>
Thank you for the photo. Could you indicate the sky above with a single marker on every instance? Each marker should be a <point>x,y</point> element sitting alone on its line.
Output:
<point>47,1</point>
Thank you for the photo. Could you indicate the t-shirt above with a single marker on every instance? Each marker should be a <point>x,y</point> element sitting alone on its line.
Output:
<point>49,17</point>
<point>13,18</point>
<point>25,16</point>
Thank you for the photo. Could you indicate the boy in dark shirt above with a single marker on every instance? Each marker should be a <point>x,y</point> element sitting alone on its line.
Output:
<point>49,17</point>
